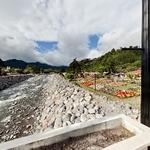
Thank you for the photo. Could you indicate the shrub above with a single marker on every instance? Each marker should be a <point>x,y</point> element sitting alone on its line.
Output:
<point>32,69</point>
<point>70,76</point>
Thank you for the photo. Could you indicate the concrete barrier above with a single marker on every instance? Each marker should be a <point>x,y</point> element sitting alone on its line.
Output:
<point>140,141</point>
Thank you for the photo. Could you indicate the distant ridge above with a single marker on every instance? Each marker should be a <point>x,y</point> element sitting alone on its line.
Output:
<point>1,63</point>
<point>22,64</point>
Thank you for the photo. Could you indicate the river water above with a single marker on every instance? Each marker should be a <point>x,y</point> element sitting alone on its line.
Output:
<point>20,108</point>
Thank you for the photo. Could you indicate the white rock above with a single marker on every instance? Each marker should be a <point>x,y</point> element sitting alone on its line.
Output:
<point>96,108</point>
<point>91,111</point>
<point>81,99</point>
<point>75,92</point>
<point>68,123</point>
<point>58,122</point>
<point>85,111</point>
<point>77,114</point>
<point>99,116</point>
<point>91,116</point>
<point>72,118</point>
<point>81,108</point>
<point>88,98</point>
<point>83,117</point>
<point>51,121</point>
<point>75,104</point>
<point>91,106</point>
<point>77,120</point>
<point>135,111</point>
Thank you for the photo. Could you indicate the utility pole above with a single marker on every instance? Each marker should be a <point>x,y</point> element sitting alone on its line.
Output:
<point>145,102</point>
<point>95,81</point>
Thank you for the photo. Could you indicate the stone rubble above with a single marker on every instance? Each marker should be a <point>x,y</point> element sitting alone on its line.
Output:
<point>66,104</point>
<point>50,101</point>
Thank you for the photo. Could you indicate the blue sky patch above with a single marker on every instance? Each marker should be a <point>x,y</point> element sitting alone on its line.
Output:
<point>45,46</point>
<point>93,41</point>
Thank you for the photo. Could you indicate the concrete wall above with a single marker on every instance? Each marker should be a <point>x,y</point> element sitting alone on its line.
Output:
<point>7,81</point>
<point>140,141</point>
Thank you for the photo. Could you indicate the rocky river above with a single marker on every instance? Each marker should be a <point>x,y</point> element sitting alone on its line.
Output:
<point>50,101</point>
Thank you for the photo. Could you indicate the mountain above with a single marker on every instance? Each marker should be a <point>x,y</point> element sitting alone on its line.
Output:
<point>22,64</point>
<point>1,63</point>
<point>15,63</point>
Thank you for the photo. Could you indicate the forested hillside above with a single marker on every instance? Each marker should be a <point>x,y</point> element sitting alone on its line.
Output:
<point>113,61</point>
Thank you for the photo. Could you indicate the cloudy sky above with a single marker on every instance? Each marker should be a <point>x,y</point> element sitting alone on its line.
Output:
<point>57,31</point>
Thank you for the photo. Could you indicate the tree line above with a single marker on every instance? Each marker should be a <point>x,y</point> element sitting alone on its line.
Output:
<point>112,62</point>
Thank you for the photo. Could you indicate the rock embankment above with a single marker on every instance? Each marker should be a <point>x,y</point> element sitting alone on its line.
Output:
<point>50,101</point>
<point>66,104</point>
<point>7,81</point>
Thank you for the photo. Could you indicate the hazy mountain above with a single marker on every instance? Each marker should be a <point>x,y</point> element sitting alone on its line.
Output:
<point>1,63</point>
<point>22,64</point>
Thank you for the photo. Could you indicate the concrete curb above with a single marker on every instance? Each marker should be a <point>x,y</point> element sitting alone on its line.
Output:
<point>138,142</point>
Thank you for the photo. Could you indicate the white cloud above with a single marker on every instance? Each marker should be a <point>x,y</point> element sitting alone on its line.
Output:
<point>19,48</point>
<point>94,53</point>
<point>69,22</point>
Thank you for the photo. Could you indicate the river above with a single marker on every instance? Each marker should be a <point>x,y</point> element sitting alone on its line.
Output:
<point>20,108</point>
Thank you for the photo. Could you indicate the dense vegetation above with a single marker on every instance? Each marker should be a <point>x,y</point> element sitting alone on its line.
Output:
<point>111,62</point>
<point>74,70</point>
<point>1,63</point>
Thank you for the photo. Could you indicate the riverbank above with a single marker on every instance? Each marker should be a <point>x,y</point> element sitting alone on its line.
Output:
<point>9,80</point>
<point>20,108</point>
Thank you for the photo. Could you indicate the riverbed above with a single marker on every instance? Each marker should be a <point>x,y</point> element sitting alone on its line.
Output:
<point>19,108</point>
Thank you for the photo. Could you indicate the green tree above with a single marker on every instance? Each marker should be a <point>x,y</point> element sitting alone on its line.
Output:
<point>1,63</point>
<point>1,66</point>
<point>74,69</point>
<point>113,61</point>
<point>32,69</point>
